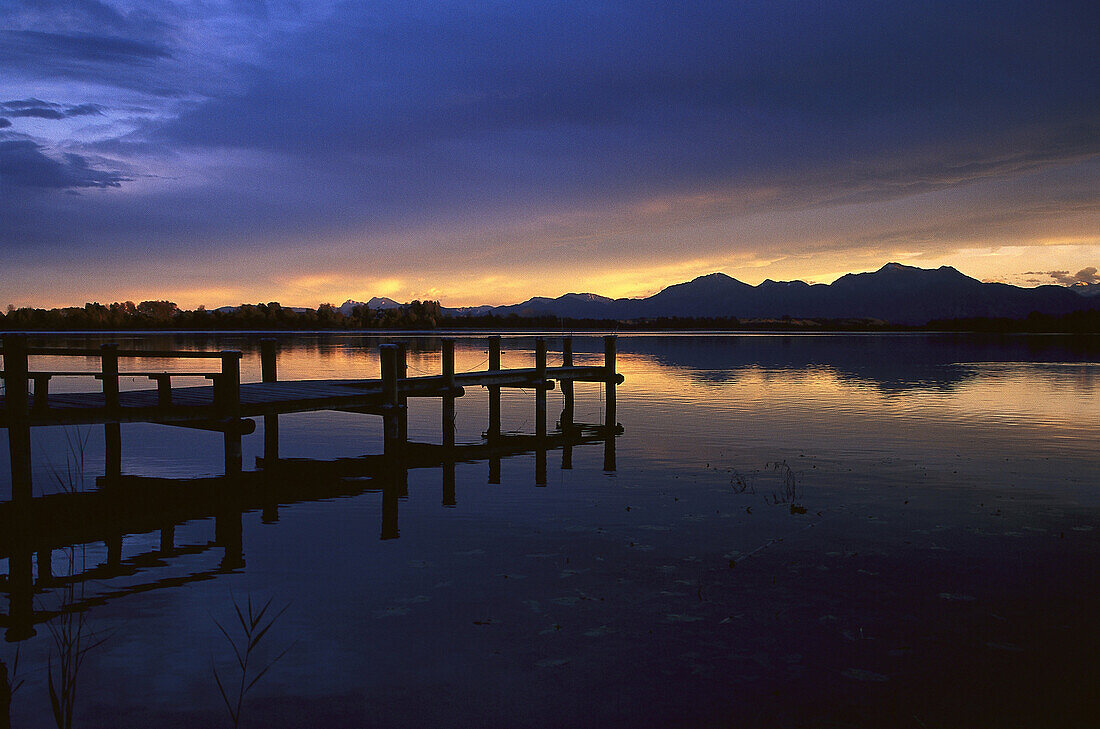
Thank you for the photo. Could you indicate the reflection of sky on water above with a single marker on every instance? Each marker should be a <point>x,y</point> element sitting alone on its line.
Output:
<point>660,594</point>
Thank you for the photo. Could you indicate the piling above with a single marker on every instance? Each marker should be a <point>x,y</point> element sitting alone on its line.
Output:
<point>391,444</point>
<point>448,416</point>
<point>19,428</point>
<point>567,412</point>
<point>168,539</point>
<point>611,414</point>
<point>269,373</point>
<point>229,535</point>
<point>609,450</point>
<point>402,400</point>
<point>112,432</point>
<point>20,590</point>
<point>390,500</point>
<point>229,407</point>
<point>45,566</point>
<point>493,433</point>
<point>449,483</point>
<point>540,388</point>
<point>540,467</point>
<point>114,550</point>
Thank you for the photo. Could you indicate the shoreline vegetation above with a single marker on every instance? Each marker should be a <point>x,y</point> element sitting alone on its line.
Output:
<point>429,315</point>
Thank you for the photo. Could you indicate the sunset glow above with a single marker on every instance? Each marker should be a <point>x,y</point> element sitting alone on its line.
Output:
<point>321,151</point>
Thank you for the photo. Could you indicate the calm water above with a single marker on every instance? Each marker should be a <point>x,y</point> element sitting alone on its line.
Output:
<point>800,531</point>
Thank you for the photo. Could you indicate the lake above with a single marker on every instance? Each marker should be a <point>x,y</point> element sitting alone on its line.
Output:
<point>791,530</point>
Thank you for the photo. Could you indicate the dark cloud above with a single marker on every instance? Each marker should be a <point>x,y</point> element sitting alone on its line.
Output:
<point>38,112</point>
<point>47,110</point>
<point>650,98</point>
<point>24,164</point>
<point>84,110</point>
<point>4,122</point>
<point>24,103</point>
<point>83,46</point>
<point>1086,275</point>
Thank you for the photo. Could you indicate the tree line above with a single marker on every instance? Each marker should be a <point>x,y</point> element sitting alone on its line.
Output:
<point>270,316</point>
<point>428,315</point>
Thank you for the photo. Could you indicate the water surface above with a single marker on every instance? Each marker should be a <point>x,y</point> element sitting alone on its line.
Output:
<point>819,530</point>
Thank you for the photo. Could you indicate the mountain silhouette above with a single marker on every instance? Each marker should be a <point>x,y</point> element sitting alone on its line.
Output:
<point>895,293</point>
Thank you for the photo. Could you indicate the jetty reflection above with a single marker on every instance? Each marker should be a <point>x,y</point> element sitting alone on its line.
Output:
<point>33,529</point>
<point>129,505</point>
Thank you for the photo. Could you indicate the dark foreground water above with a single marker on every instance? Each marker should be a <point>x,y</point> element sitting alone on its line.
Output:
<point>800,531</point>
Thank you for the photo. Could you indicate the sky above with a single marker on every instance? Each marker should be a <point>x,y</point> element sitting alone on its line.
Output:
<point>305,151</point>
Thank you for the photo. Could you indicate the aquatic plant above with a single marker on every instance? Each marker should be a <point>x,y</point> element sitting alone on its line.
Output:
<point>743,483</point>
<point>790,491</point>
<point>72,638</point>
<point>254,627</point>
<point>73,641</point>
<point>9,684</point>
<point>70,478</point>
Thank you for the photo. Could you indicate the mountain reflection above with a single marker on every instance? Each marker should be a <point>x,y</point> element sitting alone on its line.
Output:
<point>892,363</point>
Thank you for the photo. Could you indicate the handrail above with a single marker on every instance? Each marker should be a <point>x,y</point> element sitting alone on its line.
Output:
<point>138,353</point>
<point>98,375</point>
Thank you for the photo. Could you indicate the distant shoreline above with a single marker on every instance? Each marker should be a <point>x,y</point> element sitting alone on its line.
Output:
<point>1079,323</point>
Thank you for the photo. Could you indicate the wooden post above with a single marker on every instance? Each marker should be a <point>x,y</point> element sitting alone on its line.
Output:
<point>269,348</point>
<point>540,388</point>
<point>611,416</point>
<point>540,466</point>
<point>609,449</point>
<point>19,427</point>
<point>390,528</point>
<point>494,353</point>
<point>168,539</point>
<point>41,393</point>
<point>391,443</point>
<point>114,550</point>
<point>112,432</point>
<point>269,512</point>
<point>229,534</point>
<point>164,389</point>
<point>230,410</point>
<point>108,355</point>
<point>449,483</point>
<point>493,433</point>
<point>20,593</point>
<point>402,400</point>
<point>448,397</point>
<point>567,386</point>
<point>45,566</point>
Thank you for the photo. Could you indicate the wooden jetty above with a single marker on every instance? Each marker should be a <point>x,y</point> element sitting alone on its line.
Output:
<point>32,529</point>
<point>227,405</point>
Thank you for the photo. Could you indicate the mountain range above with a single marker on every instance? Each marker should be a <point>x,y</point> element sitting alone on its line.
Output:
<point>895,293</point>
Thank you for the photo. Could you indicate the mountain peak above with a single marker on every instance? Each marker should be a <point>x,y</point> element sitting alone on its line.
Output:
<point>717,276</point>
<point>896,268</point>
